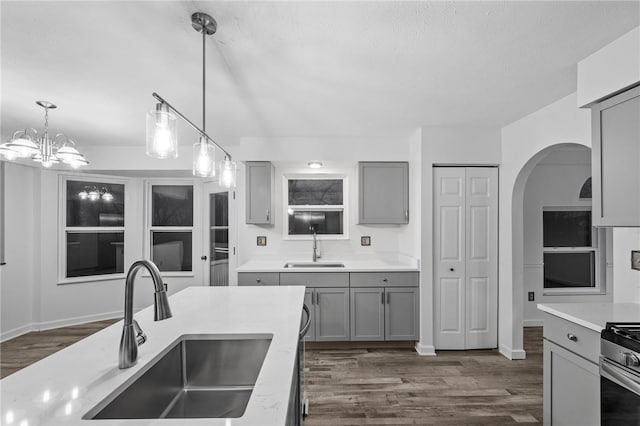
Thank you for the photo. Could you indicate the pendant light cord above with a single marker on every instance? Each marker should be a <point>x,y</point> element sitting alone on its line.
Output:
<point>204,69</point>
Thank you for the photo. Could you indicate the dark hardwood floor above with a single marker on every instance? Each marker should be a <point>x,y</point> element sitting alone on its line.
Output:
<point>384,386</point>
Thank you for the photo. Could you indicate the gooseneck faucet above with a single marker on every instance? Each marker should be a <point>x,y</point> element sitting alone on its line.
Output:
<point>316,253</point>
<point>132,334</point>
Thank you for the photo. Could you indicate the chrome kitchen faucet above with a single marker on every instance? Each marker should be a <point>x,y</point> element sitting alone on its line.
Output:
<point>132,334</point>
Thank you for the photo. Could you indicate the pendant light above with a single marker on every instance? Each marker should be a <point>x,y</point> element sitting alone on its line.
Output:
<point>41,147</point>
<point>162,141</point>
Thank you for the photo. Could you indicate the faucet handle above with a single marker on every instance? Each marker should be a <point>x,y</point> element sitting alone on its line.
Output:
<point>140,336</point>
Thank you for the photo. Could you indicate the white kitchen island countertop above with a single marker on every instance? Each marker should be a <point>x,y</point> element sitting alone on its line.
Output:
<point>60,389</point>
<point>593,315</point>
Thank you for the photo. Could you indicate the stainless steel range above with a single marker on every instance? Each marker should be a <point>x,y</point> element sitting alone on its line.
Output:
<point>620,374</point>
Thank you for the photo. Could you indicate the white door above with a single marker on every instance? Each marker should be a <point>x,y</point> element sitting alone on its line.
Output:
<point>465,257</point>
<point>219,252</point>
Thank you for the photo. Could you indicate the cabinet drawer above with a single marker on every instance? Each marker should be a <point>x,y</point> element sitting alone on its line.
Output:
<point>258,278</point>
<point>583,342</point>
<point>384,279</point>
<point>315,279</point>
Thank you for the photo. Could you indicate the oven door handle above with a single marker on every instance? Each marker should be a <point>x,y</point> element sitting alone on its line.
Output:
<point>619,376</point>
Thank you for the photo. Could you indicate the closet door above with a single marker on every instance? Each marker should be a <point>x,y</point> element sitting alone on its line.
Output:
<point>449,257</point>
<point>481,284</point>
<point>465,257</point>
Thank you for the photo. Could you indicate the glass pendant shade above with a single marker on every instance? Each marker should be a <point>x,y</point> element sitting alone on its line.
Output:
<point>23,144</point>
<point>204,158</point>
<point>162,133</point>
<point>228,173</point>
<point>7,153</point>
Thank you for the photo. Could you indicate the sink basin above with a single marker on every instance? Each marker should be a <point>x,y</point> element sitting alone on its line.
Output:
<point>196,377</point>
<point>313,265</point>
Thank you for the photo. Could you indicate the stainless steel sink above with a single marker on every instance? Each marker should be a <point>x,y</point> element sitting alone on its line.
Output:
<point>313,265</point>
<point>196,377</point>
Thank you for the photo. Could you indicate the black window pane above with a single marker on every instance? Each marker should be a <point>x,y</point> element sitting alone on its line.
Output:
<point>325,222</point>
<point>316,192</point>
<point>171,250</point>
<point>567,270</point>
<point>219,209</point>
<point>566,228</point>
<point>94,204</point>
<point>172,205</point>
<point>94,253</point>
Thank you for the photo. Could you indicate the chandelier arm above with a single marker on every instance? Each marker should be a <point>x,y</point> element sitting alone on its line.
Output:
<point>190,123</point>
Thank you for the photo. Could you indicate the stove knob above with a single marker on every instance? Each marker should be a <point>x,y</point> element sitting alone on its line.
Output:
<point>631,359</point>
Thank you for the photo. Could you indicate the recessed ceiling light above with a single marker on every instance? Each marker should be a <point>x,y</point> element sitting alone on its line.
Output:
<point>314,164</point>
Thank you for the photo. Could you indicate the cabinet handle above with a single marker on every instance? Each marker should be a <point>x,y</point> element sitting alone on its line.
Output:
<point>267,215</point>
<point>382,297</point>
<point>452,270</point>
<point>572,337</point>
<point>388,298</point>
<point>258,280</point>
<point>317,299</point>
<point>406,214</point>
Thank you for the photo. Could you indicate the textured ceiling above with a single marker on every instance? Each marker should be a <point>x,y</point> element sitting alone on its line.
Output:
<point>316,69</point>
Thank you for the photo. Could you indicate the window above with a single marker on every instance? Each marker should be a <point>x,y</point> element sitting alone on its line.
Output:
<point>572,261</point>
<point>316,204</point>
<point>171,227</point>
<point>93,229</point>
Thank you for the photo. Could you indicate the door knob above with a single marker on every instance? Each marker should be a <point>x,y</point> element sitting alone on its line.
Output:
<point>452,270</point>
<point>203,257</point>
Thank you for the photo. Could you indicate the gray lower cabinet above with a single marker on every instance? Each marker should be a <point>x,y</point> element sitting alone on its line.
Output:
<point>258,278</point>
<point>383,192</point>
<point>571,377</point>
<point>329,311</point>
<point>379,313</point>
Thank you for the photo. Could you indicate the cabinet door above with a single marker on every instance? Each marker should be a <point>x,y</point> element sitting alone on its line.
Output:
<point>259,187</point>
<point>309,300</point>
<point>367,313</point>
<point>401,313</point>
<point>571,388</point>
<point>383,192</point>
<point>332,314</point>
<point>616,160</point>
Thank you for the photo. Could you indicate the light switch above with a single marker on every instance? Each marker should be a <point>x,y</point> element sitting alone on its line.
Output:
<point>635,260</point>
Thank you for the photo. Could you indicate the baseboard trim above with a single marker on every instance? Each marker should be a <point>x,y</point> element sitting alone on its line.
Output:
<point>78,320</point>
<point>425,350</point>
<point>533,323</point>
<point>512,354</point>
<point>8,335</point>
<point>49,325</point>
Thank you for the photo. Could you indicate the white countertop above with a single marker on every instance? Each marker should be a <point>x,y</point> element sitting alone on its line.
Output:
<point>61,388</point>
<point>594,315</point>
<point>350,265</point>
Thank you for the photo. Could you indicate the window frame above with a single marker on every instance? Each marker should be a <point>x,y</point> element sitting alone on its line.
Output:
<point>321,208</point>
<point>598,244</point>
<point>147,236</point>
<point>63,228</point>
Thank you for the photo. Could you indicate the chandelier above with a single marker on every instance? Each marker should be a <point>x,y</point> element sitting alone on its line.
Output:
<point>162,138</point>
<point>42,148</point>
<point>93,193</point>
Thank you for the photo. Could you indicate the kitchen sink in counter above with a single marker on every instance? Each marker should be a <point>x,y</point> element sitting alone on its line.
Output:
<point>330,265</point>
<point>62,388</point>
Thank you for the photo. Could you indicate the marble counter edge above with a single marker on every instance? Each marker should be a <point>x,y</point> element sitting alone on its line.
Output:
<point>596,317</point>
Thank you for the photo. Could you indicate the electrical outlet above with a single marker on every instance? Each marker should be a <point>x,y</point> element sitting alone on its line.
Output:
<point>532,296</point>
<point>635,260</point>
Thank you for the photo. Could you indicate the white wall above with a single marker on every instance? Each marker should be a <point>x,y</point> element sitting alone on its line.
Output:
<point>554,182</point>
<point>445,145</point>
<point>614,67</point>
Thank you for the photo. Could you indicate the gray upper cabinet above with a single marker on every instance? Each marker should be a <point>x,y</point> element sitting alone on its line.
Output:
<point>259,188</point>
<point>616,160</point>
<point>383,192</point>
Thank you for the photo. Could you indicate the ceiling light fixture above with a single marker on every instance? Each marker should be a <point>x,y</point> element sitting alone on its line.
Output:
<point>314,164</point>
<point>42,148</point>
<point>162,139</point>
